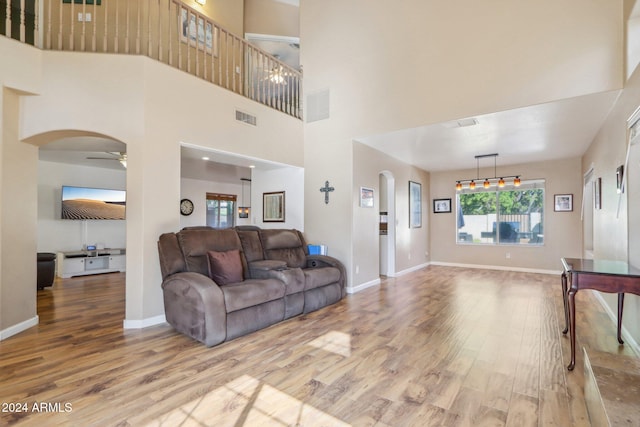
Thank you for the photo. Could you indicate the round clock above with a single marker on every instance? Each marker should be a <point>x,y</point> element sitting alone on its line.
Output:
<point>186,207</point>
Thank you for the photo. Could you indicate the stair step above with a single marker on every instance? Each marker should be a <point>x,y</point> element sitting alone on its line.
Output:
<point>612,388</point>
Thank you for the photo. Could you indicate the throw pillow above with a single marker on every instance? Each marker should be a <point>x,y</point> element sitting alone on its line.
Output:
<point>225,267</point>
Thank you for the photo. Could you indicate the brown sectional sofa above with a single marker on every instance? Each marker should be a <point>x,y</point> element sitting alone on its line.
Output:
<point>222,284</point>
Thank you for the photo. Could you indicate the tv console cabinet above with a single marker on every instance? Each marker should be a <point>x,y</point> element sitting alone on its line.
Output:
<point>82,263</point>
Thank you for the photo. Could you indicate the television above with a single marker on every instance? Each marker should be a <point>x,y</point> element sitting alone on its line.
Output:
<point>92,203</point>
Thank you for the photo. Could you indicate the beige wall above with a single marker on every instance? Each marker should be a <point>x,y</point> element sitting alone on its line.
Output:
<point>411,244</point>
<point>610,230</point>
<point>19,76</point>
<point>562,230</point>
<point>132,103</point>
<point>271,17</point>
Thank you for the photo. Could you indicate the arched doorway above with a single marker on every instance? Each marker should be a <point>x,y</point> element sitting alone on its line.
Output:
<point>388,214</point>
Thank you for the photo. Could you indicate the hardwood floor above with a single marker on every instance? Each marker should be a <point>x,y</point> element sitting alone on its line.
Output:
<point>440,346</point>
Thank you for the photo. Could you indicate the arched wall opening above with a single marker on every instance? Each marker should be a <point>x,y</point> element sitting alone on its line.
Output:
<point>89,162</point>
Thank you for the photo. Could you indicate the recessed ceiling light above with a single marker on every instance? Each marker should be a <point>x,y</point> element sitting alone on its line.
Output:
<point>252,166</point>
<point>205,158</point>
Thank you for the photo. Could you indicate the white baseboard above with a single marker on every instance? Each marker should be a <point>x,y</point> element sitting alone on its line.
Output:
<point>410,270</point>
<point>497,267</point>
<point>628,339</point>
<point>16,329</point>
<point>358,288</point>
<point>144,323</point>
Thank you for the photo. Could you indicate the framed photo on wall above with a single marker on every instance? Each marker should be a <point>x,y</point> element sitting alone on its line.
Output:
<point>195,28</point>
<point>366,197</point>
<point>441,205</point>
<point>563,202</point>
<point>273,207</point>
<point>415,204</point>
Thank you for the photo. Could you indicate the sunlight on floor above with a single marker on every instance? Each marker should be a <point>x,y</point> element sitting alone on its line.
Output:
<point>247,401</point>
<point>335,342</point>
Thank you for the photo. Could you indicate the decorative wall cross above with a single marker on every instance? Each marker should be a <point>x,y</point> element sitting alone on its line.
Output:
<point>326,190</point>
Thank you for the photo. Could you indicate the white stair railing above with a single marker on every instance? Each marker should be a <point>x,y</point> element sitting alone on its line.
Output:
<point>168,31</point>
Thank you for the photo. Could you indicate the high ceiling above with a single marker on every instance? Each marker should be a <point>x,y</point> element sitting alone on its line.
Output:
<point>554,130</point>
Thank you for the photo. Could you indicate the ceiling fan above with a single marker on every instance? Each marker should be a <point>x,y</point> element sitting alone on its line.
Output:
<point>278,75</point>
<point>115,155</point>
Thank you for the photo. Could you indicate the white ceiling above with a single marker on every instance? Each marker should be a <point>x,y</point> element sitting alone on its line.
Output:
<point>554,130</point>
<point>550,131</point>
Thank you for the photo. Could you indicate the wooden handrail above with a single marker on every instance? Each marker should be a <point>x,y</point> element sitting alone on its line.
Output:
<point>168,31</point>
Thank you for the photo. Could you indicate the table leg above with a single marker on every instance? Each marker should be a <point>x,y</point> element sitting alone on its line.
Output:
<point>564,302</point>
<point>572,328</point>
<point>620,308</point>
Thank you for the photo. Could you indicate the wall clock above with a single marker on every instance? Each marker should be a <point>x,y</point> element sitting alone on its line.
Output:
<point>186,207</point>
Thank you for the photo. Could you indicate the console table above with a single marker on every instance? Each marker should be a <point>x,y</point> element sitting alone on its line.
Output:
<point>601,275</point>
<point>82,263</point>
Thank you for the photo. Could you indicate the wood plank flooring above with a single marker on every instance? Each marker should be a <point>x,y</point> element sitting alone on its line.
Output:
<point>438,347</point>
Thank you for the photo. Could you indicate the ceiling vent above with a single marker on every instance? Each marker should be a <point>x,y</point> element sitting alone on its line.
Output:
<point>462,123</point>
<point>247,118</point>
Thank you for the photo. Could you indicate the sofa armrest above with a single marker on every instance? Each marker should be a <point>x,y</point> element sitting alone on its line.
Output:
<point>316,261</point>
<point>194,305</point>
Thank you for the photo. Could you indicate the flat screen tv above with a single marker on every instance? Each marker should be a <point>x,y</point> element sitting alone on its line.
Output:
<point>92,203</point>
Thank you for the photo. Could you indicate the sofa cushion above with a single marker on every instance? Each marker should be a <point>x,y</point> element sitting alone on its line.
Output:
<point>317,277</point>
<point>225,267</point>
<point>251,292</point>
<point>195,243</point>
<point>284,245</point>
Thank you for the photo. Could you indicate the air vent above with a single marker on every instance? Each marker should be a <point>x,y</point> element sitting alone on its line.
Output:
<point>318,106</point>
<point>247,118</point>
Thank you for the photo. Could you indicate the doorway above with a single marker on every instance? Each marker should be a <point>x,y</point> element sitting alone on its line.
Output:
<point>388,214</point>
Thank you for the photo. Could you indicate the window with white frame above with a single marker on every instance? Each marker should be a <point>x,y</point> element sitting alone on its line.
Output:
<point>220,210</point>
<point>508,215</point>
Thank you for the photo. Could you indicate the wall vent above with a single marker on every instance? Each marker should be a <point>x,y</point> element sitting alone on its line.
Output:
<point>247,118</point>
<point>318,106</point>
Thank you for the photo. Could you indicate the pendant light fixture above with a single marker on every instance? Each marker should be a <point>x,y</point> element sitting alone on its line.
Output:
<point>487,182</point>
<point>243,211</point>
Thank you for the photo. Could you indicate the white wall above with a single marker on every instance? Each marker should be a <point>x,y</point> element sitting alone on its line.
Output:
<point>287,179</point>
<point>55,234</point>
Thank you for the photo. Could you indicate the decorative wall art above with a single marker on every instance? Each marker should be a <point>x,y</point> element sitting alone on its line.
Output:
<point>441,205</point>
<point>194,27</point>
<point>366,197</point>
<point>415,204</point>
<point>273,207</point>
<point>563,202</point>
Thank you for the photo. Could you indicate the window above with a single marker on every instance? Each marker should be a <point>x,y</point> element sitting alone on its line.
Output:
<point>511,216</point>
<point>221,210</point>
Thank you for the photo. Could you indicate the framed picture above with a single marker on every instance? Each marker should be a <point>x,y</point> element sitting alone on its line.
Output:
<point>442,205</point>
<point>366,197</point>
<point>196,28</point>
<point>415,204</point>
<point>597,193</point>
<point>273,207</point>
<point>563,202</point>
<point>619,176</point>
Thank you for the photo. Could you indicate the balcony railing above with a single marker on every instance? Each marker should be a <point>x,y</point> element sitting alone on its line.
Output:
<point>165,30</point>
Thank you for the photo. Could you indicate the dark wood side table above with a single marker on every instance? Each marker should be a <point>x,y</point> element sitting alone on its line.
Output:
<point>601,275</point>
